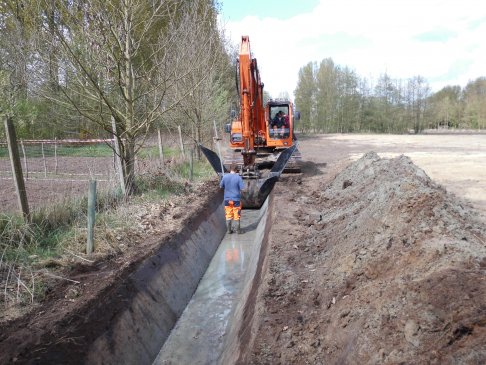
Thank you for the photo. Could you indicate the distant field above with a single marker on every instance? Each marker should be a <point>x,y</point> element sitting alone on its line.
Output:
<point>457,161</point>
<point>58,171</point>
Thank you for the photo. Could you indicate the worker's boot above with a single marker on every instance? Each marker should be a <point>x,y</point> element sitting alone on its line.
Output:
<point>228,226</point>
<point>238,227</point>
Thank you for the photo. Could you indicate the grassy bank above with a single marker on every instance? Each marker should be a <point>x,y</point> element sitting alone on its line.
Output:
<point>57,235</point>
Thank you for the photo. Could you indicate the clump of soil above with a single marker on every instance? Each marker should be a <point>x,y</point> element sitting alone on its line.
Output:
<point>380,265</point>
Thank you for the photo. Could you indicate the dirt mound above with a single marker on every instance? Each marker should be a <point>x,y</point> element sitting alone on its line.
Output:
<point>380,265</point>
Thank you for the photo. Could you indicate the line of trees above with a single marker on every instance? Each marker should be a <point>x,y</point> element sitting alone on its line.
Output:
<point>84,68</point>
<point>334,99</point>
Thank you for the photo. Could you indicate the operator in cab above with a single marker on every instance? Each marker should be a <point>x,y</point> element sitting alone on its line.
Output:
<point>280,125</point>
<point>232,184</point>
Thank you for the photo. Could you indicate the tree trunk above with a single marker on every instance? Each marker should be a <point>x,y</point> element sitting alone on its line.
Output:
<point>198,139</point>
<point>129,165</point>
<point>129,94</point>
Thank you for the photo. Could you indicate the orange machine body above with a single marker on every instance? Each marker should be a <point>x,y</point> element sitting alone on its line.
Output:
<point>254,131</point>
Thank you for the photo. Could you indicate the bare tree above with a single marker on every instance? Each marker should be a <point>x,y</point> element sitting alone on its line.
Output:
<point>417,93</point>
<point>211,99</point>
<point>475,99</point>
<point>118,61</point>
<point>16,28</point>
<point>305,95</point>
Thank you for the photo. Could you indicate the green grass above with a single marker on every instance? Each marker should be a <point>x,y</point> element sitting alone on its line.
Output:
<point>49,229</point>
<point>53,227</point>
<point>201,169</point>
<point>97,150</point>
<point>32,151</point>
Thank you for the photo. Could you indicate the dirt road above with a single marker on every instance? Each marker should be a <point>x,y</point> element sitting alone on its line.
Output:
<point>371,261</point>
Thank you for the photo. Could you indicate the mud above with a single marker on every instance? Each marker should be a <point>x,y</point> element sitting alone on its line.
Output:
<point>374,264</point>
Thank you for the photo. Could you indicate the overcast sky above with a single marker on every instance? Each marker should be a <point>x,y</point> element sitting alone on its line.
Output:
<point>441,40</point>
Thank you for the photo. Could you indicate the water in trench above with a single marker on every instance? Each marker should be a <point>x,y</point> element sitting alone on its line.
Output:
<point>200,333</point>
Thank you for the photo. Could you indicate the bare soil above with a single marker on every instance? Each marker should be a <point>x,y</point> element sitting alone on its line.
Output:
<point>71,180</point>
<point>370,261</point>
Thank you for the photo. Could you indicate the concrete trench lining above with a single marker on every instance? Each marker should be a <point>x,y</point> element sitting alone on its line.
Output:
<point>210,323</point>
<point>164,285</point>
<point>241,332</point>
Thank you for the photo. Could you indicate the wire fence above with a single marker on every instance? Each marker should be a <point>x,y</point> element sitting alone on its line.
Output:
<point>56,175</point>
<point>60,159</point>
<point>56,170</point>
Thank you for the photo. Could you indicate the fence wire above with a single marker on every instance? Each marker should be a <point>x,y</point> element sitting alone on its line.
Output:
<point>55,171</point>
<point>58,170</point>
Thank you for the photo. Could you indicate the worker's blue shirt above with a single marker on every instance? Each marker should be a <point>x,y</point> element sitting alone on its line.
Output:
<point>232,184</point>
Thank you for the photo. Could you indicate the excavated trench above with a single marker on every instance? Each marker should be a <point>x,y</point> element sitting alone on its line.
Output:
<point>191,297</point>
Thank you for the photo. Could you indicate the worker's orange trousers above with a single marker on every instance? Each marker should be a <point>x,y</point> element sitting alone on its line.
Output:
<point>232,210</point>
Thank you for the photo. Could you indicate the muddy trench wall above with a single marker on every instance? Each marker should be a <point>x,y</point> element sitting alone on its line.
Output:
<point>163,285</point>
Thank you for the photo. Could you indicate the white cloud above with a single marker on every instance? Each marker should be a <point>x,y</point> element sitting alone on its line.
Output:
<point>372,37</point>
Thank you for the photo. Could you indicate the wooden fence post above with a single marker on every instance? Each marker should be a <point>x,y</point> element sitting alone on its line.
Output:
<point>91,216</point>
<point>161,149</point>
<point>191,165</point>
<point>181,141</point>
<point>13,150</point>
<point>44,160</point>
<point>217,139</point>
<point>55,156</point>
<point>25,160</point>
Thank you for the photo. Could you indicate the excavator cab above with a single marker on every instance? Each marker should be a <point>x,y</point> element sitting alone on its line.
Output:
<point>280,121</point>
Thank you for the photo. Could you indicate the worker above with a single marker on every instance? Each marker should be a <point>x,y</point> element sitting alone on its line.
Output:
<point>232,184</point>
<point>286,126</point>
<point>279,124</point>
<point>277,121</point>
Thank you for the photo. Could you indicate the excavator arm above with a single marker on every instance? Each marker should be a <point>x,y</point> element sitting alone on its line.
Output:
<point>252,113</point>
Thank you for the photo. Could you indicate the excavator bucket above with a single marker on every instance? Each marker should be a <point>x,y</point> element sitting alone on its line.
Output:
<point>282,160</point>
<point>214,160</point>
<point>256,190</point>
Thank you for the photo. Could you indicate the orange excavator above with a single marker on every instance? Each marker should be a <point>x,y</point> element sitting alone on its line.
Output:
<point>261,137</point>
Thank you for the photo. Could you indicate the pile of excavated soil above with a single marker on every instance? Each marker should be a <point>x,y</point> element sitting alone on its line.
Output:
<point>379,265</point>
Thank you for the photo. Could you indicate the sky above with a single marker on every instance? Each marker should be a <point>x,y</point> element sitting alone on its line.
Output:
<point>442,40</point>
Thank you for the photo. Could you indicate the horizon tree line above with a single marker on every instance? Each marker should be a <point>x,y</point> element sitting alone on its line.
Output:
<point>334,99</point>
